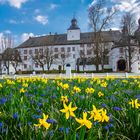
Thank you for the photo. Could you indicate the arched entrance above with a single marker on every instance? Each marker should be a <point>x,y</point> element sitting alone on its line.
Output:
<point>121,65</point>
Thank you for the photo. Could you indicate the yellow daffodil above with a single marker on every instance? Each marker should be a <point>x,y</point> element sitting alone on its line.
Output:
<point>125,81</point>
<point>68,110</point>
<point>104,118</point>
<point>10,82</point>
<point>100,94</point>
<point>25,85</point>
<point>134,103</point>
<point>64,99</point>
<point>22,90</point>
<point>84,121</point>
<point>95,113</point>
<point>0,113</point>
<point>77,89</point>
<point>65,86</point>
<point>99,115</point>
<point>1,85</point>
<point>45,81</point>
<point>43,122</point>
<point>89,90</point>
<point>104,84</point>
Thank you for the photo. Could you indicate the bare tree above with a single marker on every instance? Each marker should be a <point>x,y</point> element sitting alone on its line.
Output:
<point>104,51</point>
<point>129,22</point>
<point>6,42</point>
<point>15,59</point>
<point>11,56</point>
<point>49,57</point>
<point>82,57</point>
<point>128,27</point>
<point>44,57</point>
<point>64,55</point>
<point>39,59</point>
<point>100,19</point>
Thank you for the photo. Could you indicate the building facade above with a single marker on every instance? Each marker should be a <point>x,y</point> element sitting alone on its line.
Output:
<point>77,49</point>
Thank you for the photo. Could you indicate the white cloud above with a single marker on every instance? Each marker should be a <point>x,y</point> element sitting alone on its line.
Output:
<point>37,11</point>
<point>7,32</point>
<point>42,19</point>
<point>26,36</point>
<point>12,21</point>
<point>94,1</point>
<point>128,6</point>
<point>14,3</point>
<point>114,28</point>
<point>53,6</point>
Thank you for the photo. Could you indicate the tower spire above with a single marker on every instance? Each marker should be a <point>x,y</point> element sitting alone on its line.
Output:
<point>74,15</point>
<point>73,23</point>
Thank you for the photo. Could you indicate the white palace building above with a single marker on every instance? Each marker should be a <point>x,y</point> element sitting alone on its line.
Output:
<point>73,45</point>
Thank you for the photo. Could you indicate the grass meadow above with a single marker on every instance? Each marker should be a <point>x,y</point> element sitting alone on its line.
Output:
<point>70,109</point>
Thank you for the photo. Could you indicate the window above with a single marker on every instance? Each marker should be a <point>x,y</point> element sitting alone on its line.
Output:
<point>81,52</point>
<point>89,52</point>
<point>25,51</point>
<point>36,51</point>
<point>68,49</point>
<point>62,49</point>
<point>25,57</point>
<point>19,51</point>
<point>41,51</point>
<point>30,51</point>
<point>56,55</point>
<point>121,50</point>
<point>62,56</point>
<point>56,49</point>
<point>106,60</point>
<point>36,65</point>
<point>73,48</point>
<point>73,55</point>
<point>25,66</point>
<point>88,45</point>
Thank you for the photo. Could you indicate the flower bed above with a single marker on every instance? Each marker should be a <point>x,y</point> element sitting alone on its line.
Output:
<point>70,109</point>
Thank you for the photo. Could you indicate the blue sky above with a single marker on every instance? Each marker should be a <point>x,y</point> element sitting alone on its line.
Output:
<point>24,18</point>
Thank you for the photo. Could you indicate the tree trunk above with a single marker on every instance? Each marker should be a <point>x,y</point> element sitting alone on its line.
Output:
<point>63,67</point>
<point>15,69</point>
<point>77,65</point>
<point>97,55</point>
<point>48,68</point>
<point>129,58</point>
<point>42,68</point>
<point>102,66</point>
<point>8,68</point>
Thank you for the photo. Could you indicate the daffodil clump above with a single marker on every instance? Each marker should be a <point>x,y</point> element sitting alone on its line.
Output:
<point>64,99</point>
<point>70,109</point>
<point>99,115</point>
<point>89,90</point>
<point>76,89</point>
